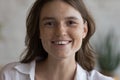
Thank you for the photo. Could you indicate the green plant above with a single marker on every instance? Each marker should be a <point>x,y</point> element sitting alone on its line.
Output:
<point>108,60</point>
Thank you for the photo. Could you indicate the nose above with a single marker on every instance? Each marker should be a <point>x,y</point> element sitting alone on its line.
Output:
<point>60,30</point>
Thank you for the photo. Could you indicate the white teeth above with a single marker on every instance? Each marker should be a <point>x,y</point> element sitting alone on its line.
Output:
<point>61,42</point>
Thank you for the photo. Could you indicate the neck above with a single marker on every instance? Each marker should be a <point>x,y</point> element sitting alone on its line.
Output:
<point>59,69</point>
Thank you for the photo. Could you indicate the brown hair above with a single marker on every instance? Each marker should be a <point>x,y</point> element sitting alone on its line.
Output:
<point>35,50</point>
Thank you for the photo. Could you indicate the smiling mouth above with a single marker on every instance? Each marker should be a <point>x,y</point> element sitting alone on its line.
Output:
<point>64,42</point>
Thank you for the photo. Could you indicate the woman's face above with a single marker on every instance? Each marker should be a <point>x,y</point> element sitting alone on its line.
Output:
<point>61,29</point>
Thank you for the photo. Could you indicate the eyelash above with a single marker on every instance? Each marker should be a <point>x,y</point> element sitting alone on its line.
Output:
<point>52,24</point>
<point>49,23</point>
<point>71,23</point>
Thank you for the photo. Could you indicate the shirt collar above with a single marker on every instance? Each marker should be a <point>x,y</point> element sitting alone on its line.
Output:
<point>81,74</point>
<point>29,69</point>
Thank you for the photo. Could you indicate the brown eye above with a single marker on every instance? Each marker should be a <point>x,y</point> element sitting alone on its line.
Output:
<point>71,23</point>
<point>49,24</point>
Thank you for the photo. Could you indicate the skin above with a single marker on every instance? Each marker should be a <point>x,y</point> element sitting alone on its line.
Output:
<point>62,30</point>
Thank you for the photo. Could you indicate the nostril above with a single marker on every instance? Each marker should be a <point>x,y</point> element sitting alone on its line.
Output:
<point>60,31</point>
<point>60,34</point>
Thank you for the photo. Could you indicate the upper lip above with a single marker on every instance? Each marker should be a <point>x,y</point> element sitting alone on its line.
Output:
<point>60,40</point>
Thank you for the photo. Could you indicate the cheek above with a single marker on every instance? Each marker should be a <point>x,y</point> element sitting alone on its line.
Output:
<point>77,37</point>
<point>78,40</point>
<point>77,34</point>
<point>44,34</point>
<point>45,41</point>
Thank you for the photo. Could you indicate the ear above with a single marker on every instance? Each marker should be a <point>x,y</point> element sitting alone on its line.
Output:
<point>85,30</point>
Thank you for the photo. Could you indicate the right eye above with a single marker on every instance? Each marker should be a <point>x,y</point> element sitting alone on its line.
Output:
<point>49,24</point>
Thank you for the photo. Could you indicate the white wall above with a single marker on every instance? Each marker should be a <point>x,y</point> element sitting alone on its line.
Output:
<point>12,18</point>
<point>13,14</point>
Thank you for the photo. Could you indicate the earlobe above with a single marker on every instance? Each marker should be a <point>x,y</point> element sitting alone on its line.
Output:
<point>85,29</point>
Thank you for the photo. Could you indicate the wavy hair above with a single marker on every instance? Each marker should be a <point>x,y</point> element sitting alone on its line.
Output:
<point>85,55</point>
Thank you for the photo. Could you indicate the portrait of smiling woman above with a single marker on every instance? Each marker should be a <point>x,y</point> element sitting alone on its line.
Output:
<point>57,40</point>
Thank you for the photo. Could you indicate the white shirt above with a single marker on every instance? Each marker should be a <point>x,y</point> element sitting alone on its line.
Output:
<point>21,71</point>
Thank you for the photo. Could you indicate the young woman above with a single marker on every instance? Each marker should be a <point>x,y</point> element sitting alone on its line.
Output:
<point>58,33</point>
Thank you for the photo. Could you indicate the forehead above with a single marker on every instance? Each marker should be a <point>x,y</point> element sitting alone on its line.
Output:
<point>58,8</point>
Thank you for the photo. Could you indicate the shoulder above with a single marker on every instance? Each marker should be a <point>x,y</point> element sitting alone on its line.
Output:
<point>82,74</point>
<point>95,75</point>
<point>8,70</point>
<point>17,71</point>
<point>9,67</point>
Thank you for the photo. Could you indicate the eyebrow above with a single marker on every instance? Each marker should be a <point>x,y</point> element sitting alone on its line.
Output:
<point>48,18</point>
<point>52,18</point>
<point>72,17</point>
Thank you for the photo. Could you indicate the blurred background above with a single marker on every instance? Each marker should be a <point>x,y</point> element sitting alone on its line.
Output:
<point>106,40</point>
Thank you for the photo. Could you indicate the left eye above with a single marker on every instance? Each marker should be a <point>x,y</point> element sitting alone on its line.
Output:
<point>70,23</point>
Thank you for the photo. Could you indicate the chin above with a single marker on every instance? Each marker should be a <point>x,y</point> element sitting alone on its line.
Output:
<point>63,55</point>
